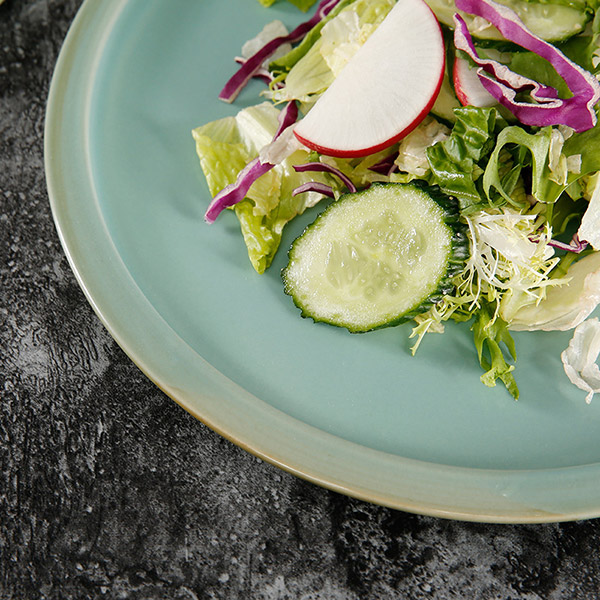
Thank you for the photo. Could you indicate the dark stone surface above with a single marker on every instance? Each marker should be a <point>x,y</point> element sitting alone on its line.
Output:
<point>109,490</point>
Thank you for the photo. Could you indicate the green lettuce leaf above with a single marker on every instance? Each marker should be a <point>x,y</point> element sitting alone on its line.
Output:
<point>585,145</point>
<point>564,212</point>
<point>538,146</point>
<point>225,146</point>
<point>491,335</point>
<point>536,152</point>
<point>539,69</point>
<point>262,219</point>
<point>454,161</point>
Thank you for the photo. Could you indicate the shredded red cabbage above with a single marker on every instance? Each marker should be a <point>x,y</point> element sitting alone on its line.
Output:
<point>577,246</point>
<point>314,186</point>
<point>576,112</point>
<point>235,192</point>
<point>254,63</point>
<point>464,42</point>
<point>325,168</point>
<point>386,166</point>
<point>260,73</point>
<point>288,116</point>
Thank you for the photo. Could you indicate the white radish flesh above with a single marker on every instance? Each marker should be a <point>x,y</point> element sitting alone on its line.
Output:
<point>468,87</point>
<point>384,91</point>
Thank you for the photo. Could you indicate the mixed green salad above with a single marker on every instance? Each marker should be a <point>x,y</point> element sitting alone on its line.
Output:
<point>456,146</point>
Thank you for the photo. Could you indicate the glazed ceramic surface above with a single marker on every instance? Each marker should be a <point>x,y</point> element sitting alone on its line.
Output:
<point>355,413</point>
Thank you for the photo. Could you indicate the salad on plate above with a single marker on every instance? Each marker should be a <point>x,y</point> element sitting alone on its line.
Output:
<point>455,148</point>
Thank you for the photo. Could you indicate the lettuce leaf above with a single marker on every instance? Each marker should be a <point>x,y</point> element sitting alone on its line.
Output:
<point>564,212</point>
<point>491,335</point>
<point>534,66</point>
<point>538,146</point>
<point>454,161</point>
<point>225,146</point>
<point>585,146</point>
<point>566,306</point>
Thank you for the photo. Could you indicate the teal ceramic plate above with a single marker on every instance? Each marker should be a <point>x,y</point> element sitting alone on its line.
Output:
<point>354,413</point>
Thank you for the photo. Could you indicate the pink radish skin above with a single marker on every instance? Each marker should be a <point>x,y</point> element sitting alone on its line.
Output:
<point>468,87</point>
<point>340,153</point>
<point>384,91</point>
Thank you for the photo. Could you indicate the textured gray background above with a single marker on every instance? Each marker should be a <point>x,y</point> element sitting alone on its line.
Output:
<point>109,490</point>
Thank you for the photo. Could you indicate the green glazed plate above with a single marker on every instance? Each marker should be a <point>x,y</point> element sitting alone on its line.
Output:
<point>355,413</point>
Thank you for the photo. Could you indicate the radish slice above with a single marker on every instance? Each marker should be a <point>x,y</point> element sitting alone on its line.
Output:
<point>468,87</point>
<point>384,91</point>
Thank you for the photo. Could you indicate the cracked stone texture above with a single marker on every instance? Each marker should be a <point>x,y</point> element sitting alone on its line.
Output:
<point>109,490</point>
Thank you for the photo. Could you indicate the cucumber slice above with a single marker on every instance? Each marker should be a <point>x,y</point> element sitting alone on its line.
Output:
<point>551,22</point>
<point>377,257</point>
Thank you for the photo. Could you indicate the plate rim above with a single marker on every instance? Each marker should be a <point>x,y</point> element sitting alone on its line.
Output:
<point>468,494</point>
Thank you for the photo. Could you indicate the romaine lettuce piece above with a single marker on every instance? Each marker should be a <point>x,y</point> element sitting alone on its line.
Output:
<point>269,32</point>
<point>284,64</point>
<point>412,149</point>
<point>454,161</point>
<point>582,156</point>
<point>225,147</point>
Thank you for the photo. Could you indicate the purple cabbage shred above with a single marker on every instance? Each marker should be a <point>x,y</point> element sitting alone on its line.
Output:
<point>314,186</point>
<point>576,245</point>
<point>386,166</point>
<point>254,63</point>
<point>325,168</point>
